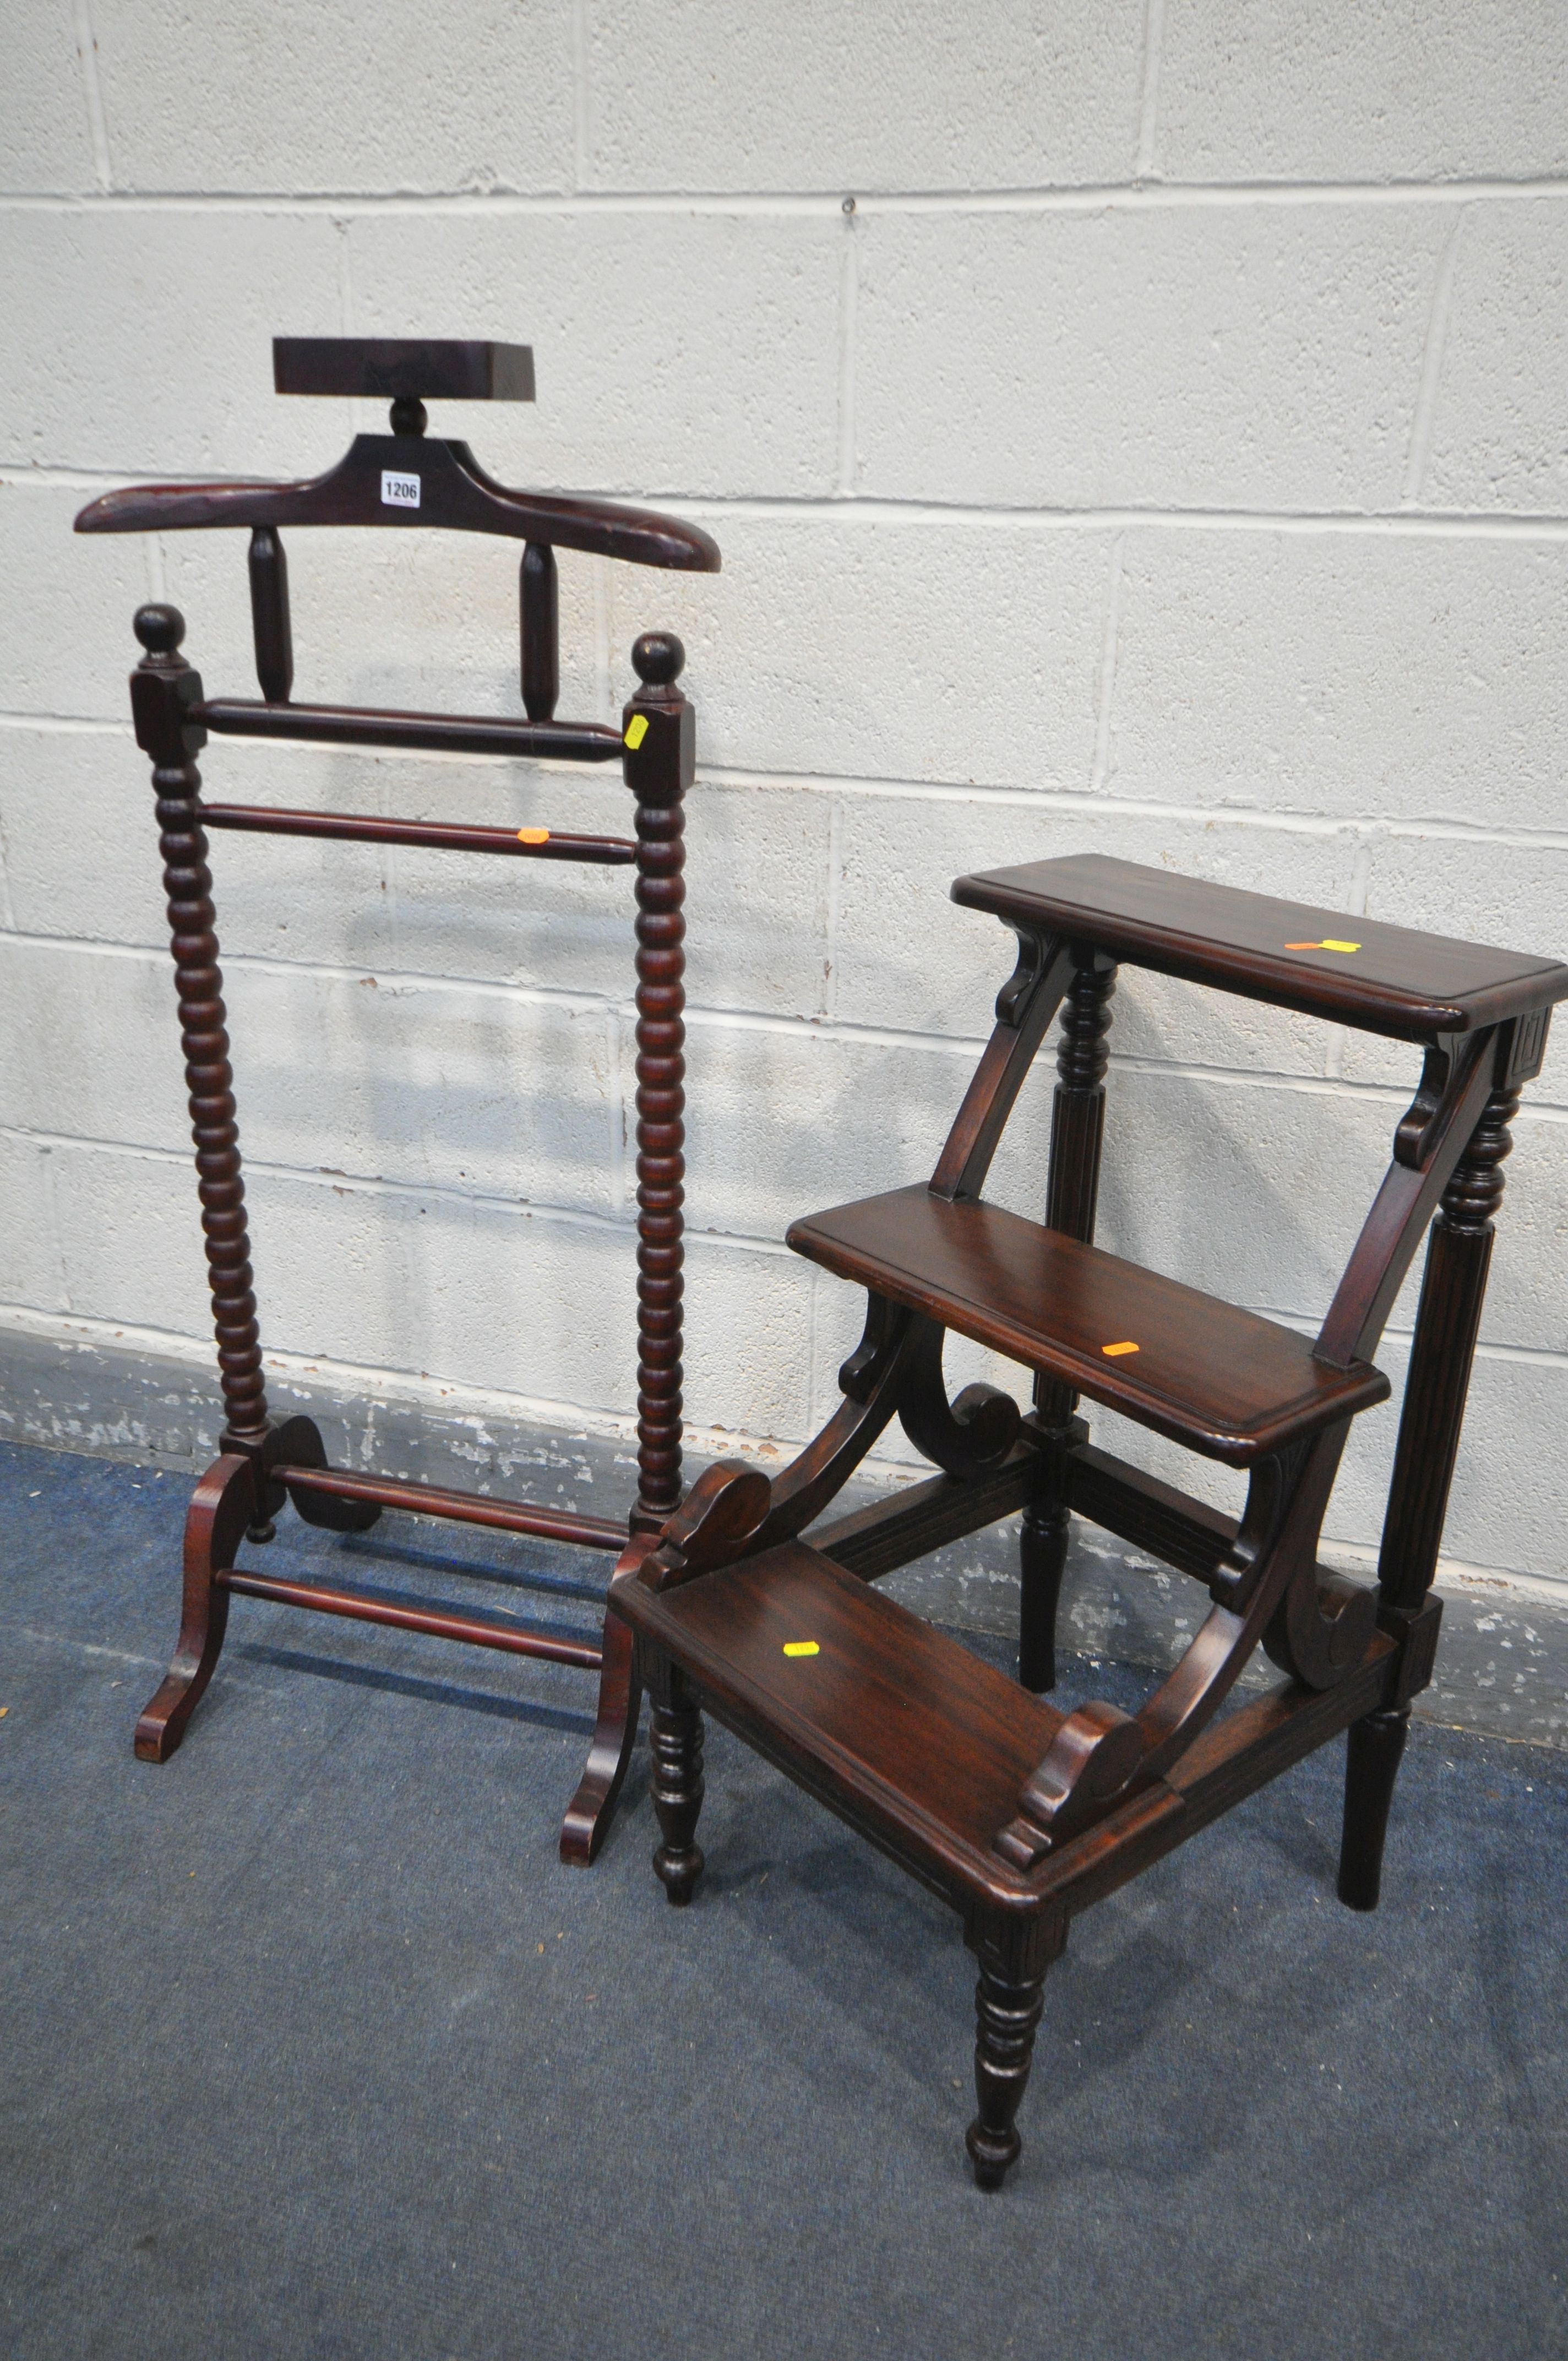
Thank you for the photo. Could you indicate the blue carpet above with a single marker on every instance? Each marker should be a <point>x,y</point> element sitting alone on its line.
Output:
<point>311,2047</point>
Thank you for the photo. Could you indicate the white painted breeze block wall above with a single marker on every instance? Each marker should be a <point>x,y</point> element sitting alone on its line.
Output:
<point>1167,454</point>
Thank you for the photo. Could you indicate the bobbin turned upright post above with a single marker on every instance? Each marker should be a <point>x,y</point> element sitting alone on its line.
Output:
<point>660,736</point>
<point>1447,1322</point>
<point>164,689</point>
<point>659,739</point>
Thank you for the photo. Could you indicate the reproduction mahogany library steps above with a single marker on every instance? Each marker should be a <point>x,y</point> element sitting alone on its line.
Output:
<point>1018,1815</point>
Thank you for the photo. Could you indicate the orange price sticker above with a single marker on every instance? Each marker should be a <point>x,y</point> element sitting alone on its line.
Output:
<point>534,836</point>
<point>1114,1352</point>
<point>801,1648</point>
<point>1329,943</point>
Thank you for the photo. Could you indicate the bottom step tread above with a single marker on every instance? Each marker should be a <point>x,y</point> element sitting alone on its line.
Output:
<point>888,1704</point>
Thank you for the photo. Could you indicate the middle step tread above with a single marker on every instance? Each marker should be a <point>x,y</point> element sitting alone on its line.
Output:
<point>1223,1381</point>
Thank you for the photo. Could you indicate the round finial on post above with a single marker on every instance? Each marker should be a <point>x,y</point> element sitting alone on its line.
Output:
<point>658,659</point>
<point>409,415</point>
<point>159,628</point>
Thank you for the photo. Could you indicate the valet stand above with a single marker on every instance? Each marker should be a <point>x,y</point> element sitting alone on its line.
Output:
<point>1016,1814</point>
<point>405,481</point>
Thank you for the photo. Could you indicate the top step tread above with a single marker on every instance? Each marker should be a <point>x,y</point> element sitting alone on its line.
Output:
<point>1383,979</point>
<point>1221,1381</point>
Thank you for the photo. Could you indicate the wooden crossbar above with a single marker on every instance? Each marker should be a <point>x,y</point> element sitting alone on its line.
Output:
<point>429,835</point>
<point>440,733</point>
<point>476,1630</point>
<point>457,1508</point>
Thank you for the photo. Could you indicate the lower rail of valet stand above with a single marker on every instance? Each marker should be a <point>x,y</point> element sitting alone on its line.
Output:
<point>222,1510</point>
<point>460,1508</point>
<point>873,1541</point>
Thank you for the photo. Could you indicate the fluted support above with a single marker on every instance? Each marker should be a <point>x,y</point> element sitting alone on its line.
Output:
<point>163,689</point>
<point>660,735</point>
<point>1454,1290</point>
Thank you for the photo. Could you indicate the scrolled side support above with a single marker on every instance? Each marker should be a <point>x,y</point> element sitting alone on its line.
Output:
<point>1319,1631</point>
<point>592,1808</point>
<point>1099,1758</point>
<point>871,1380</point>
<point>965,1437</point>
<point>720,1516</point>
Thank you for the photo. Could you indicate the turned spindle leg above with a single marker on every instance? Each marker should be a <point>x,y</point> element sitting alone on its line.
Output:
<point>1078,1127</point>
<point>675,1736</point>
<point>1453,1289</point>
<point>1007,2011</point>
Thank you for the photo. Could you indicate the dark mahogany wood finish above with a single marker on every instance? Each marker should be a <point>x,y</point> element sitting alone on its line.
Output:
<point>454,492</point>
<point>440,733</point>
<point>1392,979</point>
<point>432,835</point>
<point>1220,1381</point>
<point>407,479</point>
<point>406,369</point>
<point>1016,1814</point>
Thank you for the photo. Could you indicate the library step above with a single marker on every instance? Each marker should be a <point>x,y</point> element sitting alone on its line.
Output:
<point>1384,979</point>
<point>1222,1381</point>
<point>895,1723</point>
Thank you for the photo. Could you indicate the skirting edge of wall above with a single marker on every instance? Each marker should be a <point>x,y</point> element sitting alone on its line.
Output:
<point>116,1393</point>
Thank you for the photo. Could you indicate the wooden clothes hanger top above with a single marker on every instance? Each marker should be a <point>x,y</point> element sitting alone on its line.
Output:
<point>406,478</point>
